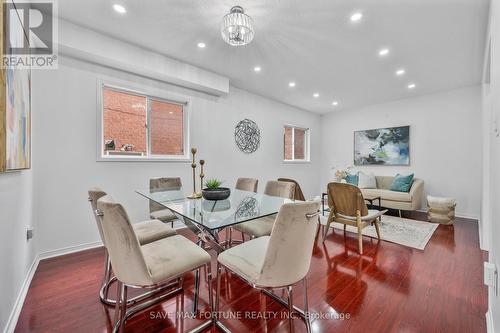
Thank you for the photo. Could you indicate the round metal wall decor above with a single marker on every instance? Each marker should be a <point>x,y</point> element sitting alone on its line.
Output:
<point>247,136</point>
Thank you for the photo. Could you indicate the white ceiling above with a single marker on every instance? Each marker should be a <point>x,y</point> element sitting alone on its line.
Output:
<point>439,42</point>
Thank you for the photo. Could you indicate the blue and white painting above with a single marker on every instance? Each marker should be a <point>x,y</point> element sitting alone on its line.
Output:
<point>383,146</point>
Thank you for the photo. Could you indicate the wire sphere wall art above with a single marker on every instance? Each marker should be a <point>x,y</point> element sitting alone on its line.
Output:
<point>247,136</point>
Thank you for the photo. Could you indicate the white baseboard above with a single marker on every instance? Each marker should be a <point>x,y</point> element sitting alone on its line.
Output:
<point>68,250</point>
<point>489,322</point>
<point>18,305</point>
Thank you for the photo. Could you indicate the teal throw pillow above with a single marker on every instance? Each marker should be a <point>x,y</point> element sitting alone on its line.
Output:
<point>352,179</point>
<point>402,183</point>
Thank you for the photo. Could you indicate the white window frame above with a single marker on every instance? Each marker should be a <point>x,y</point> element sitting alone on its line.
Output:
<point>149,95</point>
<point>307,144</point>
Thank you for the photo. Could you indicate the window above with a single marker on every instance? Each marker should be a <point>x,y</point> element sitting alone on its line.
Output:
<point>136,125</point>
<point>296,143</point>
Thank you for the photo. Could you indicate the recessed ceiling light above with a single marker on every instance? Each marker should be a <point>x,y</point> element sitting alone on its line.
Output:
<point>400,72</point>
<point>356,17</point>
<point>291,84</point>
<point>412,86</point>
<point>257,68</point>
<point>202,45</point>
<point>316,95</point>
<point>335,103</point>
<point>383,52</point>
<point>119,8</point>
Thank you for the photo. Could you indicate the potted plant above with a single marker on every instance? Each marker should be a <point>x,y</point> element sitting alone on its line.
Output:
<point>213,191</point>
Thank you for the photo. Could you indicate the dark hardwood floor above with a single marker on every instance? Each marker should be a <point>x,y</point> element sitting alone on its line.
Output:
<point>391,288</point>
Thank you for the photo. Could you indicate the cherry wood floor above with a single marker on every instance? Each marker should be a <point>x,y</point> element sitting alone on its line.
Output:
<point>391,288</point>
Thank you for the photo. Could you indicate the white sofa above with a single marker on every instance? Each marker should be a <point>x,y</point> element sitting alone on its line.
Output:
<point>411,200</point>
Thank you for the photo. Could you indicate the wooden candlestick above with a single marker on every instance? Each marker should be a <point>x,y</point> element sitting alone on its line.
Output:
<point>195,194</point>
<point>202,175</point>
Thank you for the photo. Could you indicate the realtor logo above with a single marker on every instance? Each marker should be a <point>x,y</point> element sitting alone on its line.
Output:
<point>30,33</point>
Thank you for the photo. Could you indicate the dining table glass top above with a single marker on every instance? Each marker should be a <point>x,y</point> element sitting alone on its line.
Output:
<point>241,206</point>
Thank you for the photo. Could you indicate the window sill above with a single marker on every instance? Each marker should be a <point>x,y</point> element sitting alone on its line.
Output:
<point>296,161</point>
<point>181,159</point>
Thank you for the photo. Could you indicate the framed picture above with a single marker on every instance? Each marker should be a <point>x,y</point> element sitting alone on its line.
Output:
<point>382,146</point>
<point>15,104</point>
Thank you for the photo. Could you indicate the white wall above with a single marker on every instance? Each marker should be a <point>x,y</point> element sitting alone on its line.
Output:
<point>64,127</point>
<point>16,253</point>
<point>445,142</point>
<point>491,116</point>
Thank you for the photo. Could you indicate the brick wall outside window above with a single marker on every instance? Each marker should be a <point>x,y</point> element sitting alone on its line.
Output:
<point>125,119</point>
<point>295,141</point>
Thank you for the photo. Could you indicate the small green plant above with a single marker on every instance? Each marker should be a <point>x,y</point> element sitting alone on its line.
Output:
<point>213,183</point>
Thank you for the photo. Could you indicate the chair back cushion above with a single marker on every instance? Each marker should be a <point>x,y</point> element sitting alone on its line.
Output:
<point>298,194</point>
<point>95,193</point>
<point>162,184</point>
<point>280,189</point>
<point>247,184</point>
<point>290,246</point>
<point>123,247</point>
<point>346,199</point>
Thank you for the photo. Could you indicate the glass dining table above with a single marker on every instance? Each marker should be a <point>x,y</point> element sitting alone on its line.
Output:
<point>206,218</point>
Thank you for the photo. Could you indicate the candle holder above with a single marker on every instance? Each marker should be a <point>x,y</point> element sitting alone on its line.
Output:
<point>202,175</point>
<point>195,194</point>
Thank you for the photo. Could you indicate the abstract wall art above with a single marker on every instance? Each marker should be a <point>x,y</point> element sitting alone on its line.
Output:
<point>382,146</point>
<point>15,106</point>
<point>247,136</point>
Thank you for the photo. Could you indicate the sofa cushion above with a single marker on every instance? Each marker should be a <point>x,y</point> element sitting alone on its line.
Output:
<point>366,180</point>
<point>388,194</point>
<point>402,183</point>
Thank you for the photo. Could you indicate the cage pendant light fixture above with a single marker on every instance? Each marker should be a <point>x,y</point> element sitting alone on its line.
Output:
<point>237,27</point>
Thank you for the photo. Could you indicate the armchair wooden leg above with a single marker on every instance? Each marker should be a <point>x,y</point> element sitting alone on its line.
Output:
<point>377,229</point>
<point>327,227</point>
<point>360,239</point>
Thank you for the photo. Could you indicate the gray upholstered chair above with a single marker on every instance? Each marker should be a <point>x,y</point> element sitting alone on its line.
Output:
<point>280,260</point>
<point>247,184</point>
<point>298,194</point>
<point>146,232</point>
<point>148,266</point>
<point>348,207</point>
<point>157,211</point>
<point>263,226</point>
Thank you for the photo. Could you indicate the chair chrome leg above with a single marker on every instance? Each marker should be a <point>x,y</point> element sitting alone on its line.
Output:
<point>306,307</point>
<point>210,291</point>
<point>217,293</point>
<point>242,237</point>
<point>230,236</point>
<point>106,280</point>
<point>196,290</point>
<point>117,304</point>
<point>290,307</point>
<point>123,304</point>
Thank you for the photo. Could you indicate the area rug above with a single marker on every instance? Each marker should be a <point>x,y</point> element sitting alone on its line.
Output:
<point>407,232</point>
